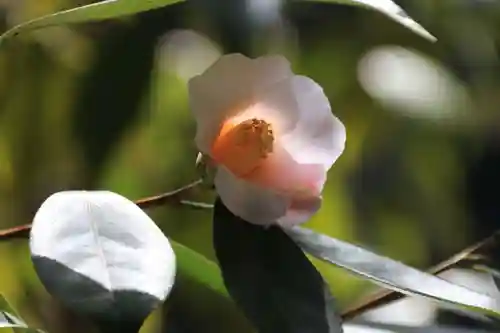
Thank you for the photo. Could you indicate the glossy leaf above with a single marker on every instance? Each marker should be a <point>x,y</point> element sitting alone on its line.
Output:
<point>390,9</point>
<point>493,272</point>
<point>93,12</point>
<point>102,256</point>
<point>390,273</point>
<point>496,277</point>
<point>10,319</point>
<point>7,319</point>
<point>491,262</point>
<point>270,278</point>
<point>5,306</point>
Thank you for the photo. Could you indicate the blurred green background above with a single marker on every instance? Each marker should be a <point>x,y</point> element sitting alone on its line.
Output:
<point>104,106</point>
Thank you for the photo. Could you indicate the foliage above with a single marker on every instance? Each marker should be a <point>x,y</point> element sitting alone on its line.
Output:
<point>264,270</point>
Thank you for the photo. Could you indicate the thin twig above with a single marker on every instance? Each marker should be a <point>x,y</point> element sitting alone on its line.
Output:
<point>381,298</point>
<point>197,205</point>
<point>21,231</point>
<point>385,297</point>
<point>169,197</point>
<point>172,197</point>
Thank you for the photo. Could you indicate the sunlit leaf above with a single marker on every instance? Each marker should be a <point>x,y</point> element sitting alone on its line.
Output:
<point>494,273</point>
<point>5,306</point>
<point>102,256</point>
<point>10,319</point>
<point>270,278</point>
<point>496,277</point>
<point>93,12</point>
<point>390,9</point>
<point>490,263</point>
<point>390,273</point>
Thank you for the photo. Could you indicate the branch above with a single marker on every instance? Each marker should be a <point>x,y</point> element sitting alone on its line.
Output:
<point>173,197</point>
<point>22,231</point>
<point>385,297</point>
<point>381,298</point>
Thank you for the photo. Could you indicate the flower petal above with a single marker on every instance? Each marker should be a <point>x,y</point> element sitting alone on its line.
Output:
<point>319,136</point>
<point>271,69</point>
<point>248,201</point>
<point>300,211</point>
<point>276,105</point>
<point>301,183</point>
<point>281,173</point>
<point>228,87</point>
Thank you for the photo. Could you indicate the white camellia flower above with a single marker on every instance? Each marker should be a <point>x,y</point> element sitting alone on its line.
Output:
<point>270,134</point>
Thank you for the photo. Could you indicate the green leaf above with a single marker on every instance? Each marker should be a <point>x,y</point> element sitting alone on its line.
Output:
<point>10,319</point>
<point>94,12</point>
<point>495,273</point>
<point>5,306</point>
<point>390,9</point>
<point>489,262</point>
<point>270,278</point>
<point>184,312</point>
<point>199,268</point>
<point>390,273</point>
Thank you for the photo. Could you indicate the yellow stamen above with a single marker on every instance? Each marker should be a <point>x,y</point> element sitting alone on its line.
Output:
<point>242,147</point>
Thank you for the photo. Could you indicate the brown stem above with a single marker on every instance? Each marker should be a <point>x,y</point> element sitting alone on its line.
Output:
<point>381,298</point>
<point>173,197</point>
<point>21,231</point>
<point>385,297</point>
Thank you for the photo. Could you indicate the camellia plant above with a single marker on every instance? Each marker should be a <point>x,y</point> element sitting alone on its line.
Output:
<point>267,138</point>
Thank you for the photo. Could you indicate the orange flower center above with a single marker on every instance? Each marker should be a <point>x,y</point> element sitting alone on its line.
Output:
<point>243,147</point>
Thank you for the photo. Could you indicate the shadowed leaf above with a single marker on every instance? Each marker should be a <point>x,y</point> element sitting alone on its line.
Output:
<point>388,328</point>
<point>270,277</point>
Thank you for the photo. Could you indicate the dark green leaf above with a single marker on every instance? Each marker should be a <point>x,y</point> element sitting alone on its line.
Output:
<point>388,328</point>
<point>94,12</point>
<point>390,273</point>
<point>270,277</point>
